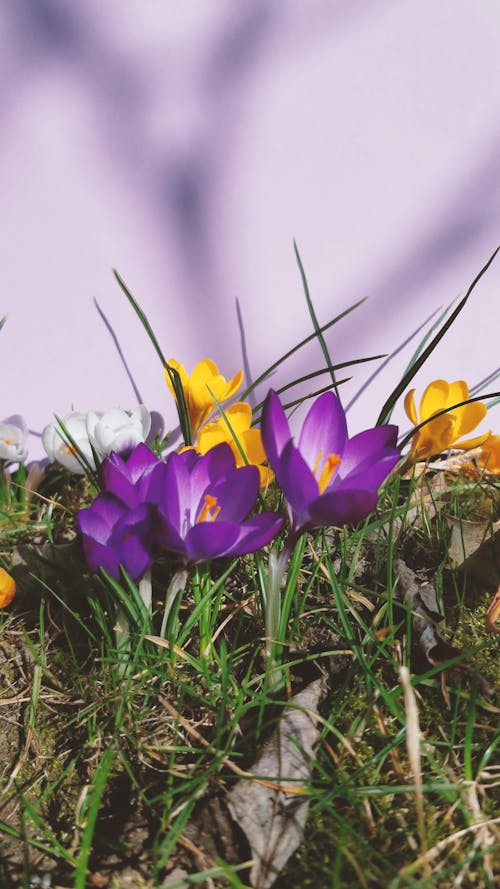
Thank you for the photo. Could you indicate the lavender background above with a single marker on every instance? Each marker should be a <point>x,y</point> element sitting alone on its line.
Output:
<point>187,144</point>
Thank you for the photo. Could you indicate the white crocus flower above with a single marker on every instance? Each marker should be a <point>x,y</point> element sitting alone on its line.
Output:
<point>118,430</point>
<point>61,450</point>
<point>13,434</point>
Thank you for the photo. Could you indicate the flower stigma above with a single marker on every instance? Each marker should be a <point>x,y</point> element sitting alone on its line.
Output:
<point>331,463</point>
<point>206,514</point>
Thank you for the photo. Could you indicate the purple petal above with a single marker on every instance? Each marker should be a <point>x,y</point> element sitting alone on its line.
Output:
<point>175,495</point>
<point>324,430</point>
<point>370,474</point>
<point>98,519</point>
<point>114,480</point>
<point>366,444</point>
<point>168,537</point>
<point>141,461</point>
<point>256,533</point>
<point>274,428</point>
<point>342,507</point>
<point>218,461</point>
<point>208,540</point>
<point>136,557</point>
<point>99,556</point>
<point>296,481</point>
<point>236,493</point>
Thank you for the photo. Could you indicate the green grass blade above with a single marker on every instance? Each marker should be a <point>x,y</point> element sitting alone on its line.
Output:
<point>96,794</point>
<point>319,334</point>
<point>80,456</point>
<point>407,377</point>
<point>318,373</point>
<point>260,379</point>
<point>142,317</point>
<point>180,398</point>
<point>389,358</point>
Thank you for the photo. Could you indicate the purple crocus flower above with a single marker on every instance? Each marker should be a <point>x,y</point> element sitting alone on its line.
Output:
<point>327,478</point>
<point>203,504</point>
<point>114,535</point>
<point>130,479</point>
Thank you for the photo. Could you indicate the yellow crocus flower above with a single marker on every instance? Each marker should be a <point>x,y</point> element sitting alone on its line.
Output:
<point>239,416</point>
<point>444,432</point>
<point>7,588</point>
<point>205,376</point>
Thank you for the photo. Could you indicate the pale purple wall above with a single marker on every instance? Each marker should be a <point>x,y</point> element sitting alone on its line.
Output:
<point>187,144</point>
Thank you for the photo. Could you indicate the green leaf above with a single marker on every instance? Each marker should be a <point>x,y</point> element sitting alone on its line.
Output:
<point>407,377</point>
<point>314,319</point>
<point>180,398</point>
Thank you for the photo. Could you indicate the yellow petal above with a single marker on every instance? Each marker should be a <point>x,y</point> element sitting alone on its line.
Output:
<point>7,588</point>
<point>457,392</point>
<point>433,438</point>
<point>469,416</point>
<point>472,442</point>
<point>434,399</point>
<point>201,403</point>
<point>239,416</point>
<point>490,455</point>
<point>211,435</point>
<point>253,447</point>
<point>411,411</point>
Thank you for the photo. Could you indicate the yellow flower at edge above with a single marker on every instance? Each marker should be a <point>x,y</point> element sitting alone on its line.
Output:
<point>199,401</point>
<point>444,432</point>
<point>489,458</point>
<point>239,416</point>
<point>7,588</point>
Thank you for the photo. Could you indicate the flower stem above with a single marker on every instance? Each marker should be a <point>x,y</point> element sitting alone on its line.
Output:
<point>146,590</point>
<point>278,565</point>
<point>176,585</point>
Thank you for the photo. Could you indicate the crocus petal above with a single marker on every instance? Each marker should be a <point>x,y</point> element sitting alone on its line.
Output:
<point>236,493</point>
<point>97,520</point>
<point>469,443</point>
<point>434,398</point>
<point>457,391</point>
<point>369,475</point>
<point>136,557</point>
<point>98,555</point>
<point>468,417</point>
<point>256,533</point>
<point>205,377</point>
<point>275,429</point>
<point>489,458</point>
<point>368,445</point>
<point>324,431</point>
<point>298,482</point>
<point>7,588</point>
<point>342,507</point>
<point>175,491</point>
<point>209,540</point>
<point>409,405</point>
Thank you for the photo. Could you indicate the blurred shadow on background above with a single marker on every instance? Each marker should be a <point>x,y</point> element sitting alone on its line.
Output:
<point>182,181</point>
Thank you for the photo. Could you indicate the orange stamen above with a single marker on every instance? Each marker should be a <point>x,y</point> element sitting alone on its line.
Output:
<point>331,463</point>
<point>206,515</point>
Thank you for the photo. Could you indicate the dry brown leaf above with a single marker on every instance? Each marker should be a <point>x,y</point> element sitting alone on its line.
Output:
<point>271,817</point>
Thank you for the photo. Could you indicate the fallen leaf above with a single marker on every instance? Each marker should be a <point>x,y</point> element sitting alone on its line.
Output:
<point>272,810</point>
